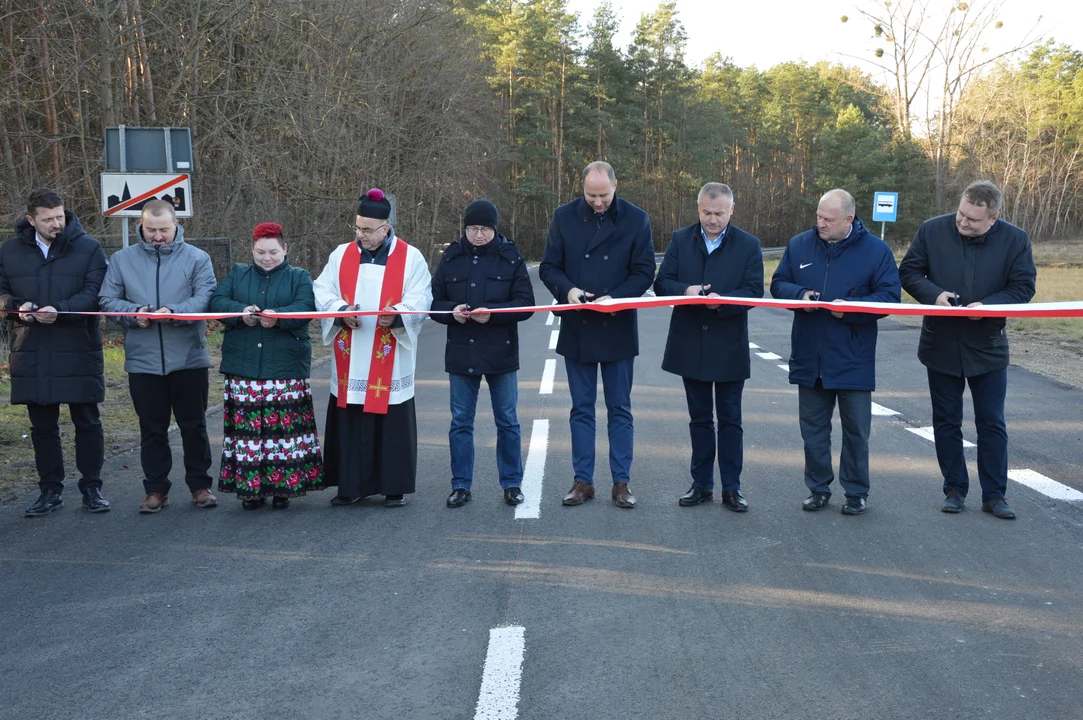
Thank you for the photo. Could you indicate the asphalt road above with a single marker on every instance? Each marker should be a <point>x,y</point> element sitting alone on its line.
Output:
<point>659,612</point>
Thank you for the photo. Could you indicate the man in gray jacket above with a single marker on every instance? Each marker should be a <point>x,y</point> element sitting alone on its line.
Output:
<point>166,359</point>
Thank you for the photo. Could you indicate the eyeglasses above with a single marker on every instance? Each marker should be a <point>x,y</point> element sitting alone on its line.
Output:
<point>366,232</point>
<point>478,230</point>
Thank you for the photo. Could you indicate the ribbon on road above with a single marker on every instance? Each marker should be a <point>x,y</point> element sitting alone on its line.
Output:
<point>1073,308</point>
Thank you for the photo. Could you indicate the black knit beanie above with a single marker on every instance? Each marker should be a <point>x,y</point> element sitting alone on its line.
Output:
<point>481,212</point>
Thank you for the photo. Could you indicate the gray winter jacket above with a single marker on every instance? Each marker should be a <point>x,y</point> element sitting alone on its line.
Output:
<point>177,276</point>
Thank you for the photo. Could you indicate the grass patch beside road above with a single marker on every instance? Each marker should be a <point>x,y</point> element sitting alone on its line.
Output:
<point>119,421</point>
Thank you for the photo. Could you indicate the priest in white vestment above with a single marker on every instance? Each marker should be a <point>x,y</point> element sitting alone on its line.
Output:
<point>370,445</point>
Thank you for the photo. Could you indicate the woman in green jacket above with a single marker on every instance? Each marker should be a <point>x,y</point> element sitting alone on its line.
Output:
<point>270,445</point>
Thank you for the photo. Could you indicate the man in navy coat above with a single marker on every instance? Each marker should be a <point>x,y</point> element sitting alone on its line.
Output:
<point>708,344</point>
<point>833,353</point>
<point>599,247</point>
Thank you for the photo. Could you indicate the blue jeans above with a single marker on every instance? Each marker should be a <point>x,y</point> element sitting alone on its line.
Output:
<point>703,398</point>
<point>504,394</point>
<point>617,387</point>
<point>989,391</point>
<point>816,407</point>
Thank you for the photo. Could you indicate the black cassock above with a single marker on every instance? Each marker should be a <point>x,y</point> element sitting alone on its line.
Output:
<point>369,454</point>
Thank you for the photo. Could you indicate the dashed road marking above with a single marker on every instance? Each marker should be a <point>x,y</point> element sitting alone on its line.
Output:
<point>769,356</point>
<point>548,374</point>
<point>534,472</point>
<point>553,339</point>
<point>785,367</point>
<point>927,433</point>
<point>503,673</point>
<point>753,346</point>
<point>1046,486</point>
<point>882,411</point>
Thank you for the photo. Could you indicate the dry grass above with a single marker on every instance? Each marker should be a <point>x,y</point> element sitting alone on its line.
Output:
<point>17,469</point>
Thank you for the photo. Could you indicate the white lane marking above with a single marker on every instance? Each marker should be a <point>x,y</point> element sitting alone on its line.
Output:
<point>534,472</point>
<point>548,374</point>
<point>927,433</point>
<point>553,339</point>
<point>785,367</point>
<point>753,346</point>
<point>882,411</point>
<point>550,316</point>
<point>1046,486</point>
<point>503,673</point>
<point>769,356</point>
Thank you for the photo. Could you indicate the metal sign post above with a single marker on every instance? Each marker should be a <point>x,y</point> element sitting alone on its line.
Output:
<point>123,167</point>
<point>885,209</point>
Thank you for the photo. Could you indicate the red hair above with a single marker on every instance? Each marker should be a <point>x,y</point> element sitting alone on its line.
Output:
<point>268,230</point>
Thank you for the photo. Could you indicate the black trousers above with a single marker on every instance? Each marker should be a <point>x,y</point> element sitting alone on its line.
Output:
<point>48,453</point>
<point>182,394</point>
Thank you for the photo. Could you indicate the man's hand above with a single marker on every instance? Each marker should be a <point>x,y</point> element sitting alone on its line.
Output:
<point>46,315</point>
<point>385,321</point>
<point>975,317</point>
<point>250,320</point>
<point>839,313</point>
<point>713,306</point>
<point>694,290</point>
<point>461,313</point>
<point>352,322</point>
<point>143,322</point>
<point>810,295</point>
<point>480,315</point>
<point>163,311</point>
<point>25,313</point>
<point>945,298</point>
<point>603,298</point>
<point>576,295</point>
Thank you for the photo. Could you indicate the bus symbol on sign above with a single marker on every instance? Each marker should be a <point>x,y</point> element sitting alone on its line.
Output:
<point>885,207</point>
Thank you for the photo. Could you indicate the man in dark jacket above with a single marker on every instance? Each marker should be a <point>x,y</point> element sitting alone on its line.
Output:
<point>52,266</point>
<point>480,272</point>
<point>708,344</point>
<point>166,360</point>
<point>969,258</point>
<point>833,353</point>
<point>599,247</point>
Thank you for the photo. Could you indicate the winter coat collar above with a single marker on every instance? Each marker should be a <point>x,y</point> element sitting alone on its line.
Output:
<point>160,249</point>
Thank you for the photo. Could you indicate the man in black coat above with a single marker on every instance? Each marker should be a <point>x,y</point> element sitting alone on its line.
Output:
<point>599,247</point>
<point>708,344</point>
<point>480,272</point>
<point>969,258</point>
<point>52,266</point>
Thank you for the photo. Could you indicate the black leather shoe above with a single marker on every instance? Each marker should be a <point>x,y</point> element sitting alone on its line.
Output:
<point>341,500</point>
<point>513,496</point>
<point>253,503</point>
<point>854,506</point>
<point>953,502</point>
<point>458,497</point>
<point>280,503</point>
<point>48,501</point>
<point>1000,509</point>
<point>695,496</point>
<point>94,502</point>
<point>816,501</point>
<point>734,500</point>
<point>394,500</point>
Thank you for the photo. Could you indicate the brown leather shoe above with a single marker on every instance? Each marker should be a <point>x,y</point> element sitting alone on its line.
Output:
<point>154,503</point>
<point>622,496</point>
<point>204,499</point>
<point>580,493</point>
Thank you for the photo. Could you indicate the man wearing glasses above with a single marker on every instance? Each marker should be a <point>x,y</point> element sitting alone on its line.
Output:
<point>370,444</point>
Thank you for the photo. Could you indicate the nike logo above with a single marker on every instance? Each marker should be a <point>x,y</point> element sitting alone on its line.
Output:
<point>805,265</point>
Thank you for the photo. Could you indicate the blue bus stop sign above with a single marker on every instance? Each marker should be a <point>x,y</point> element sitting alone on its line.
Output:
<point>885,206</point>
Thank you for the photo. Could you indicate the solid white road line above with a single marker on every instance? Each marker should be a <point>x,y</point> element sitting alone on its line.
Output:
<point>534,472</point>
<point>1046,486</point>
<point>927,433</point>
<point>553,339</point>
<point>503,673</point>
<point>769,356</point>
<point>785,367</point>
<point>882,411</point>
<point>548,374</point>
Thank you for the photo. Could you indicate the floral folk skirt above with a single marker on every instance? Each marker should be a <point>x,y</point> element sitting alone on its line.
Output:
<point>270,445</point>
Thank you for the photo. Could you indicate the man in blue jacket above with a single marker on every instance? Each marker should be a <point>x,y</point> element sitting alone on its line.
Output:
<point>833,353</point>
<point>969,257</point>
<point>708,344</point>
<point>599,247</point>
